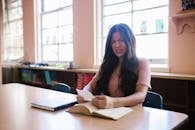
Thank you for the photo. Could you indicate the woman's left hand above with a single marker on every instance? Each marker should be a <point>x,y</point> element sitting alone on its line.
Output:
<point>102,101</point>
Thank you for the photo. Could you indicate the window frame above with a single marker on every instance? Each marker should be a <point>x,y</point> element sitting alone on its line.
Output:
<point>17,49</point>
<point>41,12</point>
<point>156,64</point>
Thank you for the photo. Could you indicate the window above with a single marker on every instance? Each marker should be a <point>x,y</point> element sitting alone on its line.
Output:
<point>12,30</point>
<point>56,31</point>
<point>148,20</point>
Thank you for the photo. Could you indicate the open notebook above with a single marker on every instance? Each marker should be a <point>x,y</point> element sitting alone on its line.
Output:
<point>54,104</point>
<point>88,109</point>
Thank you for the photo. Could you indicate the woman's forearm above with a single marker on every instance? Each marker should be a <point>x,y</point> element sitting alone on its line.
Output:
<point>132,100</point>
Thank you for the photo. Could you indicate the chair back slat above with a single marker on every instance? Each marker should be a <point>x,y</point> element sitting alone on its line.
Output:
<point>62,87</point>
<point>154,100</point>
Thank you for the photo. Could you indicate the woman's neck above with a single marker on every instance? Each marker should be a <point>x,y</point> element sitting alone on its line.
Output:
<point>120,60</point>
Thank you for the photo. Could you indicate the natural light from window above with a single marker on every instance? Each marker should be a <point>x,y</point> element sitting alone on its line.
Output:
<point>12,31</point>
<point>148,20</point>
<point>56,31</point>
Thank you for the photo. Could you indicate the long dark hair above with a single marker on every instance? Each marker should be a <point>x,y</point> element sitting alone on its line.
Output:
<point>128,71</point>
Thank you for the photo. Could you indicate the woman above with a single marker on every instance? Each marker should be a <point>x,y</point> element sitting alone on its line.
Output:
<point>123,79</point>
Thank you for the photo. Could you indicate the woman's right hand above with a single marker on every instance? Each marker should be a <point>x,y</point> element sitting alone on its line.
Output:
<point>103,101</point>
<point>80,99</point>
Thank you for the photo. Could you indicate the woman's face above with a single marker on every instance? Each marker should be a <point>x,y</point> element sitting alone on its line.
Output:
<point>118,45</point>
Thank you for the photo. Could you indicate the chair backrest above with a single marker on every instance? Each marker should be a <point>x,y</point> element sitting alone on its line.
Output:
<point>154,100</point>
<point>61,87</point>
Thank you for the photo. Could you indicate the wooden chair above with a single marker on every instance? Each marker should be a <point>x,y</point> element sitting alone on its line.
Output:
<point>154,100</point>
